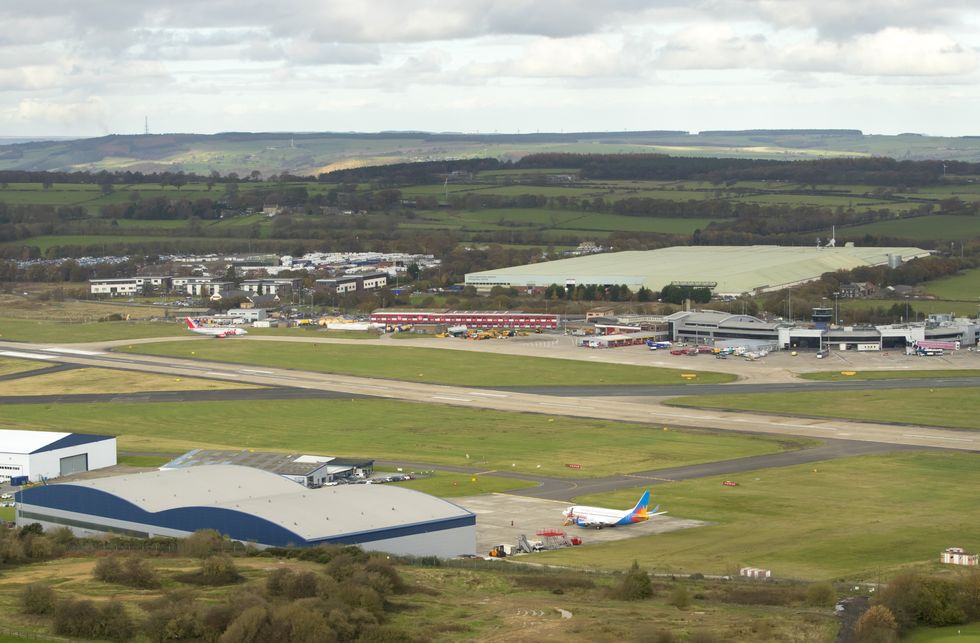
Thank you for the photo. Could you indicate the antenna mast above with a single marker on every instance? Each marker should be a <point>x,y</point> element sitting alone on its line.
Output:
<point>146,125</point>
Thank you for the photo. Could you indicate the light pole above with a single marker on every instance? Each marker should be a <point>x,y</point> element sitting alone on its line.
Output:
<point>836,310</point>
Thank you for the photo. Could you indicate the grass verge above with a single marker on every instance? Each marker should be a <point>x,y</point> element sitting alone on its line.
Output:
<point>824,376</point>
<point>9,365</point>
<point>393,430</point>
<point>854,518</point>
<point>100,380</point>
<point>433,365</point>
<point>25,330</point>
<point>449,485</point>
<point>945,407</point>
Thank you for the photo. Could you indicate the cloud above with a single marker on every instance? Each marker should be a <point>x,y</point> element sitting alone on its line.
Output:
<point>67,115</point>
<point>890,52</point>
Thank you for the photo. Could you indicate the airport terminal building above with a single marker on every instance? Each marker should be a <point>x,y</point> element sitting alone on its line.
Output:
<point>253,506</point>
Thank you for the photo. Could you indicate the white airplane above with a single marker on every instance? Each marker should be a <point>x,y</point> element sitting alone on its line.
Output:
<point>194,327</point>
<point>599,517</point>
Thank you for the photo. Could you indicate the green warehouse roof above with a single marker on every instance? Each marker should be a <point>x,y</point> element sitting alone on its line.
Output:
<point>736,269</point>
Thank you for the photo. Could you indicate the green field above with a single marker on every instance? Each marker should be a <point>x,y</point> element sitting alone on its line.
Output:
<point>824,376</point>
<point>952,634</point>
<point>948,407</point>
<point>451,485</point>
<point>389,430</point>
<point>10,365</point>
<point>854,518</point>
<point>465,368</point>
<point>964,287</point>
<point>7,513</point>
<point>51,331</point>
<point>919,307</point>
<point>566,221</point>
<point>939,227</point>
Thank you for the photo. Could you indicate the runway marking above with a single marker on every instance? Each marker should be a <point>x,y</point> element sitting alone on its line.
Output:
<point>25,355</point>
<point>454,399</point>
<point>564,406</point>
<point>249,370</point>
<point>489,394</point>
<point>936,437</point>
<point>223,374</point>
<point>70,351</point>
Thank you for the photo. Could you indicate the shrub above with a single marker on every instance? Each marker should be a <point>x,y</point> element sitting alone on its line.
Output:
<point>115,624</point>
<point>201,544</point>
<point>247,627</point>
<point>877,625</point>
<point>108,569</point>
<point>214,571</point>
<point>37,598</point>
<point>821,595</point>
<point>635,585</point>
<point>133,571</point>
<point>679,597</point>
<point>76,618</point>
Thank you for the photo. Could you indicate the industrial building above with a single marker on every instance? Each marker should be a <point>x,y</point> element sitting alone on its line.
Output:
<point>354,282</point>
<point>42,455</point>
<point>308,470</point>
<point>728,270</point>
<point>468,318</point>
<point>253,506</point>
<point>128,285</point>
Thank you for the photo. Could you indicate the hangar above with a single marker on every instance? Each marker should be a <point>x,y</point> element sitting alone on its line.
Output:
<point>253,506</point>
<point>40,455</point>
<point>734,269</point>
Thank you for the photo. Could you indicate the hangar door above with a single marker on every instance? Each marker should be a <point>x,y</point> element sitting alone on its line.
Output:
<point>74,464</point>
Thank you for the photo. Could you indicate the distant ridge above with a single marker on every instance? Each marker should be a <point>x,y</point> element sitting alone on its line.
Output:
<point>312,153</point>
<point>782,132</point>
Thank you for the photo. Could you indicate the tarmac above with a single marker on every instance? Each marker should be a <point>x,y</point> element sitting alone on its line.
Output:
<point>503,518</point>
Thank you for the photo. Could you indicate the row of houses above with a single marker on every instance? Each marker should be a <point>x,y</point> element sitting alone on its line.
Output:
<point>201,287</point>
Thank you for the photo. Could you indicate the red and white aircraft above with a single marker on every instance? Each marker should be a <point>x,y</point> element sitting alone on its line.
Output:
<point>194,327</point>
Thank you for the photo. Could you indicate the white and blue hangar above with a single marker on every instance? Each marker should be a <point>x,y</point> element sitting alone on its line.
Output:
<point>253,506</point>
<point>40,455</point>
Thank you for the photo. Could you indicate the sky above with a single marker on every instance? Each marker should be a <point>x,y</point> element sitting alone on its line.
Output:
<point>89,68</point>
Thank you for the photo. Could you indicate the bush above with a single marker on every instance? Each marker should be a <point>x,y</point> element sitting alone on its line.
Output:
<point>679,597</point>
<point>821,595</point>
<point>215,570</point>
<point>134,572</point>
<point>635,585</point>
<point>37,598</point>
<point>81,618</point>
<point>921,600</point>
<point>201,544</point>
<point>877,625</point>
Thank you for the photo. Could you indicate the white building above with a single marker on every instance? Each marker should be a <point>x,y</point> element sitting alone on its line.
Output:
<point>271,286</point>
<point>201,286</point>
<point>957,556</point>
<point>49,454</point>
<point>127,286</point>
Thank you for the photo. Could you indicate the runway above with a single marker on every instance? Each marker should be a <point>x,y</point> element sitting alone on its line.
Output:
<point>586,406</point>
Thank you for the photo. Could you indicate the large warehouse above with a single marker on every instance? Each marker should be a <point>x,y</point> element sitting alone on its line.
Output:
<point>734,269</point>
<point>40,455</point>
<point>253,506</point>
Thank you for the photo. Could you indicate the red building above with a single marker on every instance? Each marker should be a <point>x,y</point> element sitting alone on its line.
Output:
<point>468,318</point>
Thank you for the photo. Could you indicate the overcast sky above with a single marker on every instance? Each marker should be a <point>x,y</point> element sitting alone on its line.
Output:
<point>77,67</point>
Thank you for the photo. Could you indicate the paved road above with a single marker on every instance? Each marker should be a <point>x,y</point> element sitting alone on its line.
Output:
<point>735,387</point>
<point>585,407</point>
<point>222,395</point>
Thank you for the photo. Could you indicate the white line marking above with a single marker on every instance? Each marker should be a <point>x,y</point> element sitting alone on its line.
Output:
<point>223,374</point>
<point>564,406</point>
<point>489,394</point>
<point>249,370</point>
<point>25,355</point>
<point>454,399</point>
<point>936,437</point>
<point>70,351</point>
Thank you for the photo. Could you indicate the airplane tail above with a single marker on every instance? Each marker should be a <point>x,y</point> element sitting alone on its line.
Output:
<point>191,323</point>
<point>640,510</point>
